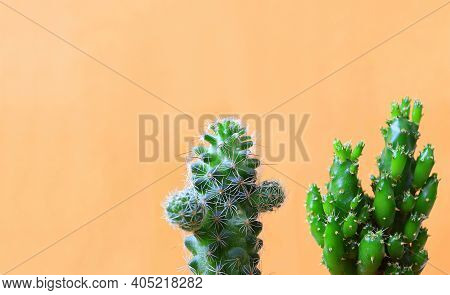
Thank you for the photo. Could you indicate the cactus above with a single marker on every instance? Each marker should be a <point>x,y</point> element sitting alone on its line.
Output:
<point>222,201</point>
<point>381,234</point>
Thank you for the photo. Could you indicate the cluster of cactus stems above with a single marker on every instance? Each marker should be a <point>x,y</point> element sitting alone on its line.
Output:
<point>222,201</point>
<point>381,234</point>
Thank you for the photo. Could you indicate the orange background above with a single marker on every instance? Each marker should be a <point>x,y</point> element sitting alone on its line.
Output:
<point>69,126</point>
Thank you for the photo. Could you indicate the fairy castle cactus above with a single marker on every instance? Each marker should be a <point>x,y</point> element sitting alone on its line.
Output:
<point>381,234</point>
<point>221,203</point>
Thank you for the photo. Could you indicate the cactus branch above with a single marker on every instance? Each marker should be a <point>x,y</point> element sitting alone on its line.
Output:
<point>381,234</point>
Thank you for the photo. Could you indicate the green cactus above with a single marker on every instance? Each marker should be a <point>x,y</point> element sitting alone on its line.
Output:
<point>222,201</point>
<point>384,234</point>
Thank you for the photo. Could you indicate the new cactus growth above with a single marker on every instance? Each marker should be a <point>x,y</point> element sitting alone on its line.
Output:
<point>381,234</point>
<point>222,201</point>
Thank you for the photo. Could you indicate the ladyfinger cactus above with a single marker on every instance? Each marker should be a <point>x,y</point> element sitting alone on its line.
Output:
<point>381,234</point>
<point>221,203</point>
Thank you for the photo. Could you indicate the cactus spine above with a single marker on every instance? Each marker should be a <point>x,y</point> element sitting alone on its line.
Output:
<point>222,201</point>
<point>384,234</point>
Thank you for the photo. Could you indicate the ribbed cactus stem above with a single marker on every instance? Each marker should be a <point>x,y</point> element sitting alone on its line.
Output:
<point>381,234</point>
<point>222,202</point>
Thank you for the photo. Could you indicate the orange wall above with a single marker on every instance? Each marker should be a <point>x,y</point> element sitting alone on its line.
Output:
<point>69,126</point>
